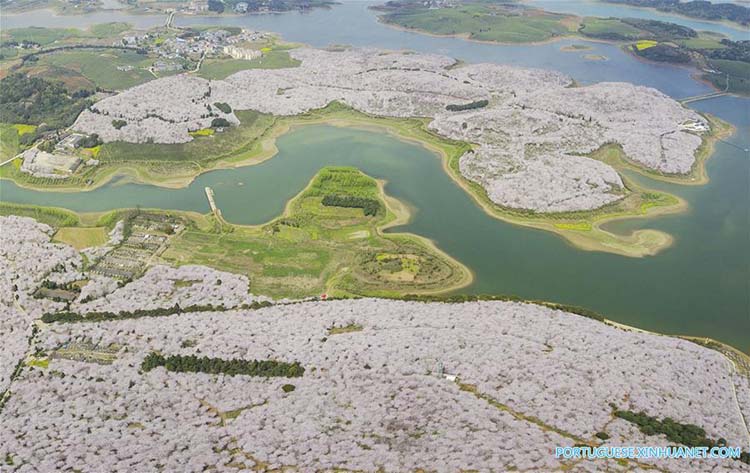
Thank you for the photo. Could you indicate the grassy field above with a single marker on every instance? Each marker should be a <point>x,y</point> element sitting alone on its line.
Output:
<point>223,68</point>
<point>9,135</point>
<point>99,66</point>
<point>705,40</point>
<point>739,75</point>
<point>484,22</point>
<point>8,141</point>
<point>611,28</point>
<point>47,36</point>
<point>645,44</point>
<point>80,68</point>
<point>314,248</point>
<point>81,237</point>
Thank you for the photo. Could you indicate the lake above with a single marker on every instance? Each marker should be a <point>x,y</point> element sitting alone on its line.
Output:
<point>699,286</point>
<point>606,10</point>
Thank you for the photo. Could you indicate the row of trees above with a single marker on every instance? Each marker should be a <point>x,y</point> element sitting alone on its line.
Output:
<point>69,317</point>
<point>661,30</point>
<point>467,106</point>
<point>220,123</point>
<point>665,53</point>
<point>235,366</point>
<point>733,51</point>
<point>69,286</point>
<point>369,206</point>
<point>460,298</point>
<point>224,107</point>
<point>689,435</point>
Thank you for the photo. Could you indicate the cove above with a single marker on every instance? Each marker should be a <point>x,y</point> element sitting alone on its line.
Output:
<point>693,288</point>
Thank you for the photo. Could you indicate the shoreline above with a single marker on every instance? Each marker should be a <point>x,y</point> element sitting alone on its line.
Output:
<point>640,243</point>
<point>90,220</point>
<point>466,36</point>
<point>139,11</point>
<point>402,215</point>
<point>724,22</point>
<point>705,342</point>
<point>572,36</point>
<point>397,213</point>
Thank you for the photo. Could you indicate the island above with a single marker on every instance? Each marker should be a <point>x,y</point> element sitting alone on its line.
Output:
<point>185,369</point>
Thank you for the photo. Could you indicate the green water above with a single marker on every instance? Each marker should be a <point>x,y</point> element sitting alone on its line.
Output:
<point>699,286</point>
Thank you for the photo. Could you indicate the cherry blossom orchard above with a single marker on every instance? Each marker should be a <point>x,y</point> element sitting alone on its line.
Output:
<point>380,385</point>
<point>530,128</point>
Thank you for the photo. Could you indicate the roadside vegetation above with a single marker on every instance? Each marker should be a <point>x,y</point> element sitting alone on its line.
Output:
<point>13,137</point>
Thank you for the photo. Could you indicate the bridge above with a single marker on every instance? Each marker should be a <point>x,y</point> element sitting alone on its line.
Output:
<point>696,98</point>
<point>710,95</point>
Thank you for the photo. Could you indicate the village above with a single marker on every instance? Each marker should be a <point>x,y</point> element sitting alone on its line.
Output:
<point>181,50</point>
<point>59,154</point>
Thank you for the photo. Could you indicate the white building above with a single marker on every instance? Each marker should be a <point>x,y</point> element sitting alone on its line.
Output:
<point>242,53</point>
